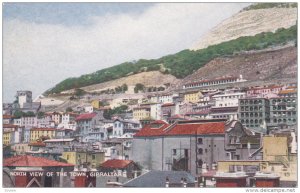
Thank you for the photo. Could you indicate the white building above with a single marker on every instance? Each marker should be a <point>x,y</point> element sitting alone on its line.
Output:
<point>29,122</point>
<point>121,127</point>
<point>215,81</point>
<point>88,109</point>
<point>24,97</point>
<point>91,128</point>
<point>155,111</point>
<point>228,99</point>
<point>68,121</point>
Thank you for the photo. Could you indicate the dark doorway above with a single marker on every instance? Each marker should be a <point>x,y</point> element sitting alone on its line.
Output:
<point>186,153</point>
<point>48,181</point>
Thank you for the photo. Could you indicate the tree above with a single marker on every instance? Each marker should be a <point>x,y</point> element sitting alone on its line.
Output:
<point>69,109</point>
<point>79,92</point>
<point>40,114</point>
<point>29,114</point>
<point>139,87</point>
<point>18,114</point>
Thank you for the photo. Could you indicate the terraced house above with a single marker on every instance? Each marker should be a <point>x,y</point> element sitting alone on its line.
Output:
<point>38,133</point>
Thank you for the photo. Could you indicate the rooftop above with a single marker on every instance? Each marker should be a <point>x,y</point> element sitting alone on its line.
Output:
<point>58,140</point>
<point>116,163</point>
<point>158,179</point>
<point>8,116</point>
<point>191,127</point>
<point>86,116</point>
<point>43,129</point>
<point>31,161</point>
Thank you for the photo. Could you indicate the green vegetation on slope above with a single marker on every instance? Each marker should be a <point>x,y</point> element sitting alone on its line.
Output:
<point>182,63</point>
<point>270,5</point>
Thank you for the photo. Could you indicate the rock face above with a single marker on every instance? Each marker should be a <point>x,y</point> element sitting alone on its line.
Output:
<point>262,65</point>
<point>249,23</point>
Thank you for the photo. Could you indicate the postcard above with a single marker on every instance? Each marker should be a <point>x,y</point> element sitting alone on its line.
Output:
<point>150,95</point>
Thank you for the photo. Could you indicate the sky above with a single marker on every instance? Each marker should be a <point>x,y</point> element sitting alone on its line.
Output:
<point>45,43</point>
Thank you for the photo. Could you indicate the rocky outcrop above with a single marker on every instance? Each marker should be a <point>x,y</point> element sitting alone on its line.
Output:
<point>249,23</point>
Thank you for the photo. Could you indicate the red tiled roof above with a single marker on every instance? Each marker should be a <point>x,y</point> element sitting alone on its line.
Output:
<point>148,130</point>
<point>116,163</point>
<point>8,116</point>
<point>183,128</point>
<point>39,143</point>
<point>287,91</point>
<point>86,116</point>
<point>31,161</point>
<point>43,129</point>
<point>9,126</point>
<point>167,104</point>
<point>197,128</point>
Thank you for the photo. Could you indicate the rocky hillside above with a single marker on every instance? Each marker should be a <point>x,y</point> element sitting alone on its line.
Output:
<point>261,65</point>
<point>152,78</point>
<point>249,23</point>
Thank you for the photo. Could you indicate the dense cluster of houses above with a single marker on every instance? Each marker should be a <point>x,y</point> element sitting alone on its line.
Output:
<point>193,137</point>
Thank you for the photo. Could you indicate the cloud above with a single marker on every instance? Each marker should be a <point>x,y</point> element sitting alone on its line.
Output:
<point>38,56</point>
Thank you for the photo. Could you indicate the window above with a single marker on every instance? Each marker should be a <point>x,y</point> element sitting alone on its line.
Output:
<point>174,151</point>
<point>200,141</point>
<point>93,157</point>
<point>200,151</point>
<point>200,162</point>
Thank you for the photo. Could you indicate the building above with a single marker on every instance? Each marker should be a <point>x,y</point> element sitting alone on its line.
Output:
<point>230,99</point>
<point>254,113</point>
<point>230,113</point>
<point>192,96</point>
<point>203,114</point>
<point>214,82</point>
<point>283,111</point>
<point>45,121</point>
<point>89,158</point>
<point>68,121</point>
<point>39,133</point>
<point>89,109</point>
<point>160,146</point>
<point>142,112</point>
<point>24,97</point>
<point>96,103</point>
<point>161,179</point>
<point>168,110</point>
<point>29,121</point>
<point>31,107</point>
<point>264,92</point>
<point>12,134</point>
<point>277,167</point>
<point>56,117</point>
<point>90,127</point>
<point>20,148</point>
<point>22,166</point>
<point>155,111</point>
<point>121,126</point>
<point>288,93</point>
<point>127,167</point>
<point>280,151</point>
<point>8,119</point>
